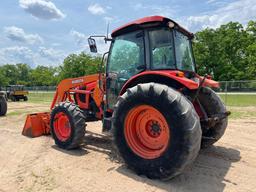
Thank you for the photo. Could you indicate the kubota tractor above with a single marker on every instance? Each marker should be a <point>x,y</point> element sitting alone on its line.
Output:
<point>158,109</point>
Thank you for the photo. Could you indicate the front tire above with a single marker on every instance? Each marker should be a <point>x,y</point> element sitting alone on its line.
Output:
<point>67,125</point>
<point>176,145</point>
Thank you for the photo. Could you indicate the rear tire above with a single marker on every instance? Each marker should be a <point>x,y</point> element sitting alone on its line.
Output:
<point>3,106</point>
<point>25,98</point>
<point>67,125</point>
<point>212,105</point>
<point>182,123</point>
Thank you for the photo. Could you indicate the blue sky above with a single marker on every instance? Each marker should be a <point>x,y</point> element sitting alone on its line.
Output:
<point>43,32</point>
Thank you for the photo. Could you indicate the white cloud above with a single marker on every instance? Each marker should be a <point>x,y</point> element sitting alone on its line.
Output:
<point>211,1</point>
<point>21,54</point>
<point>51,54</point>
<point>80,38</point>
<point>240,10</point>
<point>17,54</point>
<point>17,34</point>
<point>42,9</point>
<point>96,9</point>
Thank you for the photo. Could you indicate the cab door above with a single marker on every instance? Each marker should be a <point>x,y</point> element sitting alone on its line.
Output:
<point>126,58</point>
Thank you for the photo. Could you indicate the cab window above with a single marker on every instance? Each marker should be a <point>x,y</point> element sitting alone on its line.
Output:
<point>127,54</point>
<point>161,49</point>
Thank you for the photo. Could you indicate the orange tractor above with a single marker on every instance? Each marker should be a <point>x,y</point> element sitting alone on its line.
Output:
<point>159,111</point>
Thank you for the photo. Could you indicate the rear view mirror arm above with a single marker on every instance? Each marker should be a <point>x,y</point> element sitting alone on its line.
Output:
<point>106,39</point>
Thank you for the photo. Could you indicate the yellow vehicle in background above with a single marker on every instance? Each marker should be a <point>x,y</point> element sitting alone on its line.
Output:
<point>16,92</point>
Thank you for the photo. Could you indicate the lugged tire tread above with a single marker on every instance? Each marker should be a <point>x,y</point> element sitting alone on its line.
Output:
<point>192,132</point>
<point>78,125</point>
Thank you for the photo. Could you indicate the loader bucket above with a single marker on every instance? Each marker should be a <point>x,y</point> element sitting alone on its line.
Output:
<point>36,125</point>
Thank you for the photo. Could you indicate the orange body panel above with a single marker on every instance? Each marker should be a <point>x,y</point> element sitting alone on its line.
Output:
<point>175,75</point>
<point>68,84</point>
<point>37,125</point>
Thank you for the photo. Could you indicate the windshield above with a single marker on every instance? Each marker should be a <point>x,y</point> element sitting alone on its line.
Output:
<point>163,53</point>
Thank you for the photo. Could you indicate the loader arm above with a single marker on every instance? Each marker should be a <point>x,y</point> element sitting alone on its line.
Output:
<point>68,85</point>
<point>38,124</point>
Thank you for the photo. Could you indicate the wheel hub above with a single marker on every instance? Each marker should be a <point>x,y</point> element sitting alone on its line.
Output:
<point>146,131</point>
<point>62,126</point>
<point>154,128</point>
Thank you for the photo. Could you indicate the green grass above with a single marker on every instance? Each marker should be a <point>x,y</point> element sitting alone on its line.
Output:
<point>237,104</point>
<point>239,100</point>
<point>40,97</point>
<point>13,113</point>
<point>237,114</point>
<point>229,100</point>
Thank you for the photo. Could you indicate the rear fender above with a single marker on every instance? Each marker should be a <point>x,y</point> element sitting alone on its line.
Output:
<point>170,78</point>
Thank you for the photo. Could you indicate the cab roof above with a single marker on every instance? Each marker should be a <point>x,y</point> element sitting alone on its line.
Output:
<point>151,21</point>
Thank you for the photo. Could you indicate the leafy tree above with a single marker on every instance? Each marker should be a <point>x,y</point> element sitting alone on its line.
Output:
<point>24,71</point>
<point>10,73</point>
<point>76,65</point>
<point>43,76</point>
<point>228,52</point>
<point>3,80</point>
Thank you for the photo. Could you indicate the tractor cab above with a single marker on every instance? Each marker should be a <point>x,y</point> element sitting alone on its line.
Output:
<point>150,44</point>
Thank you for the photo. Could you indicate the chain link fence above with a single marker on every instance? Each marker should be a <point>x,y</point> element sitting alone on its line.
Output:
<point>41,94</point>
<point>233,93</point>
<point>238,93</point>
<point>237,86</point>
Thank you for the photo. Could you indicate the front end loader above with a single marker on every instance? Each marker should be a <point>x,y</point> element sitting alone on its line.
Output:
<point>159,111</point>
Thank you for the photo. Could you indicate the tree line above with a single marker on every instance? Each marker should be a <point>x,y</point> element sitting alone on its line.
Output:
<point>227,53</point>
<point>74,65</point>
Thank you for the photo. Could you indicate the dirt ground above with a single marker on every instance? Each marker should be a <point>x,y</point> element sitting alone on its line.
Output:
<point>38,165</point>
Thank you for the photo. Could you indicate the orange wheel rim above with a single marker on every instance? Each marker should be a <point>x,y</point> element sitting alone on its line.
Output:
<point>62,126</point>
<point>146,131</point>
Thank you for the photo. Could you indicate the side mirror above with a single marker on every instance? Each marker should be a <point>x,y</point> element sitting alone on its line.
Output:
<point>92,45</point>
